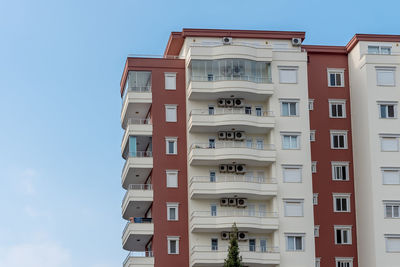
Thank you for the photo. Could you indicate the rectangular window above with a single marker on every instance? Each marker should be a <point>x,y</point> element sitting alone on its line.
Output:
<point>288,74</point>
<point>339,139</point>
<point>337,108</point>
<point>342,235</point>
<point>171,145</point>
<point>318,262</point>
<point>340,171</point>
<point>173,244</point>
<point>292,174</point>
<point>391,176</point>
<point>252,245</point>
<point>392,243</point>
<point>211,110</point>
<point>213,209</point>
<point>172,211</point>
<point>335,77</point>
<point>385,76</point>
<point>389,143</point>
<point>293,207</point>
<point>376,49</point>
<point>294,242</point>
<point>170,113</point>
<point>289,108</point>
<point>247,110</point>
<point>214,244</point>
<point>316,231</point>
<point>172,179</point>
<point>388,111</point>
<point>315,199</point>
<point>392,209</point>
<point>213,177</point>
<point>311,104</point>
<point>314,167</point>
<point>312,135</point>
<point>170,81</point>
<point>344,262</point>
<point>290,141</point>
<point>341,202</point>
<point>258,111</point>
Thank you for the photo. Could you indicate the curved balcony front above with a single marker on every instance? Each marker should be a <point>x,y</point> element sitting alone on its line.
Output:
<point>136,127</point>
<point>136,102</point>
<point>207,256</point>
<point>139,259</point>
<point>137,200</point>
<point>231,152</point>
<point>205,221</point>
<point>227,186</point>
<point>137,233</point>
<point>137,168</point>
<point>224,119</point>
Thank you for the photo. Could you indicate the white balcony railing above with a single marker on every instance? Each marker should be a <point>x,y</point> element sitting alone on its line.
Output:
<point>214,78</point>
<point>137,220</point>
<point>234,213</point>
<point>233,178</point>
<point>138,254</point>
<point>232,144</point>
<point>248,248</point>
<point>138,121</point>
<point>141,187</point>
<point>224,111</point>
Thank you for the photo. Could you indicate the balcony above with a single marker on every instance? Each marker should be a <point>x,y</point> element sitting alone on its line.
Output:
<point>137,233</point>
<point>136,102</point>
<point>136,127</point>
<point>207,256</point>
<point>246,220</point>
<point>137,200</point>
<point>137,168</point>
<point>227,186</point>
<point>139,259</point>
<point>231,152</point>
<point>224,119</point>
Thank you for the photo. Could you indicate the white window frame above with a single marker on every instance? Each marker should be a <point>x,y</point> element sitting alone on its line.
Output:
<point>312,135</point>
<point>291,134</point>
<point>337,102</point>
<point>169,174</point>
<point>392,136</point>
<point>346,196</point>
<point>310,104</point>
<point>388,103</point>
<point>379,49</point>
<point>294,235</point>
<point>339,132</point>
<point>314,167</point>
<point>317,262</point>
<point>391,169</point>
<point>171,139</point>
<point>297,167</point>
<point>392,203</point>
<point>349,234</point>
<point>389,236</point>
<point>173,238</point>
<point>315,199</point>
<point>386,69</point>
<point>335,71</point>
<point>297,202</point>
<point>340,164</point>
<point>171,107</point>
<point>343,261</point>
<point>290,101</point>
<point>288,68</point>
<point>316,230</point>
<point>168,75</point>
<point>174,205</point>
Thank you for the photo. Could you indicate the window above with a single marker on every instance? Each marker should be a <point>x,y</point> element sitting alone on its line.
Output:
<point>392,243</point>
<point>170,113</point>
<point>344,262</point>
<point>389,143</point>
<point>172,211</point>
<point>170,81</point>
<point>214,244</point>
<point>316,230</point>
<point>213,177</point>
<point>392,209</point>
<point>315,199</point>
<point>388,110</point>
<point>340,171</point>
<point>295,242</point>
<point>252,245</point>
<point>171,145</point>
<point>314,167</point>
<point>211,110</point>
<point>317,262</point>
<point>339,139</point>
<point>337,108</point>
<point>172,178</point>
<point>289,108</point>
<point>288,74</point>
<point>173,244</point>
<point>312,135</point>
<point>293,207</point>
<point>211,142</point>
<point>383,50</point>
<point>259,144</point>
<point>290,141</point>
<point>213,209</point>
<point>247,110</point>
<point>341,202</point>
<point>263,245</point>
<point>258,111</point>
<point>391,175</point>
<point>385,76</point>
<point>342,235</point>
<point>311,104</point>
<point>292,173</point>
<point>336,77</point>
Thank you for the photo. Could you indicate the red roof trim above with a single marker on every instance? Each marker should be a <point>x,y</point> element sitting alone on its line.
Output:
<point>325,49</point>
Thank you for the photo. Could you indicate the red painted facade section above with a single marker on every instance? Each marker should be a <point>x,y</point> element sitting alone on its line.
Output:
<point>320,59</point>
<point>162,162</point>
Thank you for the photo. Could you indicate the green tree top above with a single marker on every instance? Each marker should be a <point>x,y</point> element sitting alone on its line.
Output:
<point>233,259</point>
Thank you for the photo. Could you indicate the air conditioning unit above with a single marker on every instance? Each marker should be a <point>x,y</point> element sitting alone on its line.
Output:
<point>242,236</point>
<point>223,168</point>
<point>229,102</point>
<point>241,202</point>
<point>223,202</point>
<point>227,40</point>
<point>225,235</point>
<point>240,136</point>
<point>238,102</point>
<point>221,102</point>
<point>231,168</point>
<point>232,201</point>
<point>221,135</point>
<point>296,41</point>
<point>240,168</point>
<point>230,135</point>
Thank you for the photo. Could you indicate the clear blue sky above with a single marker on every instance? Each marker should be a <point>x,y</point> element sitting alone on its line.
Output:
<point>60,67</point>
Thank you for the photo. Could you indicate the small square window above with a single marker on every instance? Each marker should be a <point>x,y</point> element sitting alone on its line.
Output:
<point>341,202</point>
<point>173,244</point>
<point>293,208</point>
<point>338,139</point>
<point>335,77</point>
<point>292,174</point>
<point>290,141</point>
<point>389,143</point>
<point>294,242</point>
<point>171,145</point>
<point>391,175</point>
<point>340,171</point>
<point>337,109</point>
<point>344,262</point>
<point>342,235</point>
<point>170,81</point>
<point>172,211</point>
<point>314,167</point>
<point>388,111</point>
<point>311,104</point>
<point>288,74</point>
<point>312,135</point>
<point>172,179</point>
<point>392,243</point>
<point>170,113</point>
<point>392,209</point>
<point>289,108</point>
<point>385,76</point>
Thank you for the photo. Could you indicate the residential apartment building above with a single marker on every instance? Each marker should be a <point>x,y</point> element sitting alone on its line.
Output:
<point>252,128</point>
